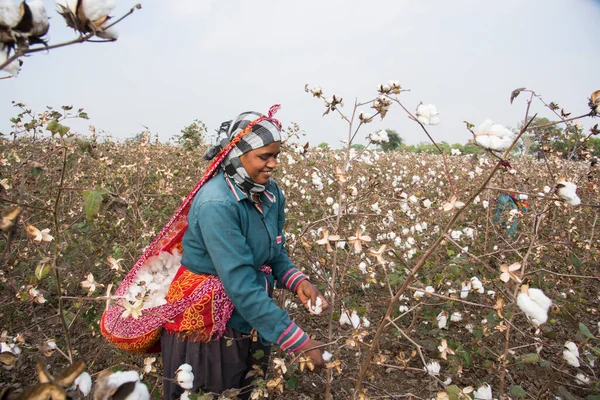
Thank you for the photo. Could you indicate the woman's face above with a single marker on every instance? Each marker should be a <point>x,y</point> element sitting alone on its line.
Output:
<point>260,163</point>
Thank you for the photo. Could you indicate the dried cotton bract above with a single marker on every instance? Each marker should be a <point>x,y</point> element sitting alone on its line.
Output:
<point>507,272</point>
<point>452,204</point>
<point>494,137</point>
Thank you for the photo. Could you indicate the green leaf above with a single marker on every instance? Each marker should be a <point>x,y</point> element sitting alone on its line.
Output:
<point>394,278</point>
<point>92,200</point>
<point>54,127</point>
<point>517,391</point>
<point>530,358</point>
<point>258,354</point>
<point>453,392</point>
<point>585,331</point>
<point>593,397</point>
<point>83,115</point>
<point>292,383</point>
<point>42,271</point>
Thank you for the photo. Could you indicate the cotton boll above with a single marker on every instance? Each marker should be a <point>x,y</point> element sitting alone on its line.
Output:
<point>433,368</point>
<point>39,18</point>
<point>345,319</point>
<point>427,114</point>
<point>493,136</point>
<point>567,192</point>
<point>477,285</point>
<point>582,379</point>
<point>184,376</point>
<point>114,381</point>
<point>536,307</point>
<point>317,308</point>
<point>83,383</point>
<point>571,354</point>
<point>540,298</point>
<point>442,319</point>
<point>327,356</point>
<point>355,320</point>
<point>14,67</point>
<point>10,15</point>
<point>97,9</point>
<point>456,316</point>
<point>465,290</point>
<point>483,393</point>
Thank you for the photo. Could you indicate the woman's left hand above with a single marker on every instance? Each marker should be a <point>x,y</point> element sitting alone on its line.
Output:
<point>306,291</point>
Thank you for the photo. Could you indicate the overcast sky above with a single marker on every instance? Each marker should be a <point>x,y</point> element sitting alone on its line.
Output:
<point>176,61</point>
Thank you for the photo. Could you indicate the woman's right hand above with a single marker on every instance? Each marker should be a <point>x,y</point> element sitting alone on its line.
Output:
<point>316,354</point>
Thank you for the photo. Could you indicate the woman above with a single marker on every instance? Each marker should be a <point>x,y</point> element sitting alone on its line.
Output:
<point>235,231</point>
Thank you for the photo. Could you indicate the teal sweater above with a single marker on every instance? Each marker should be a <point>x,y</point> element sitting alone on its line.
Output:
<point>229,236</point>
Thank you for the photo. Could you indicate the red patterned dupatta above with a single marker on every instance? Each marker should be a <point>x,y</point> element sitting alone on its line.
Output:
<point>194,292</point>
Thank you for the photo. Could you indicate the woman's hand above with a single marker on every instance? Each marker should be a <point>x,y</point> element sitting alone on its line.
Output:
<point>315,354</point>
<point>306,291</point>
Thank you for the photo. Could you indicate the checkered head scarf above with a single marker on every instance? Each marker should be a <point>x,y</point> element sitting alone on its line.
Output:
<point>263,133</point>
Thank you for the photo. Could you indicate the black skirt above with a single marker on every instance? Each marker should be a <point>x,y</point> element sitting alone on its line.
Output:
<point>217,365</point>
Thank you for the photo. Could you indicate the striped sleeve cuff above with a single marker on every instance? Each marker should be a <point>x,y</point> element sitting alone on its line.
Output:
<point>291,280</point>
<point>292,339</point>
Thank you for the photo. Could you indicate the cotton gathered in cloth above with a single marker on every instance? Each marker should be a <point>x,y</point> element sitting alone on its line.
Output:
<point>262,134</point>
